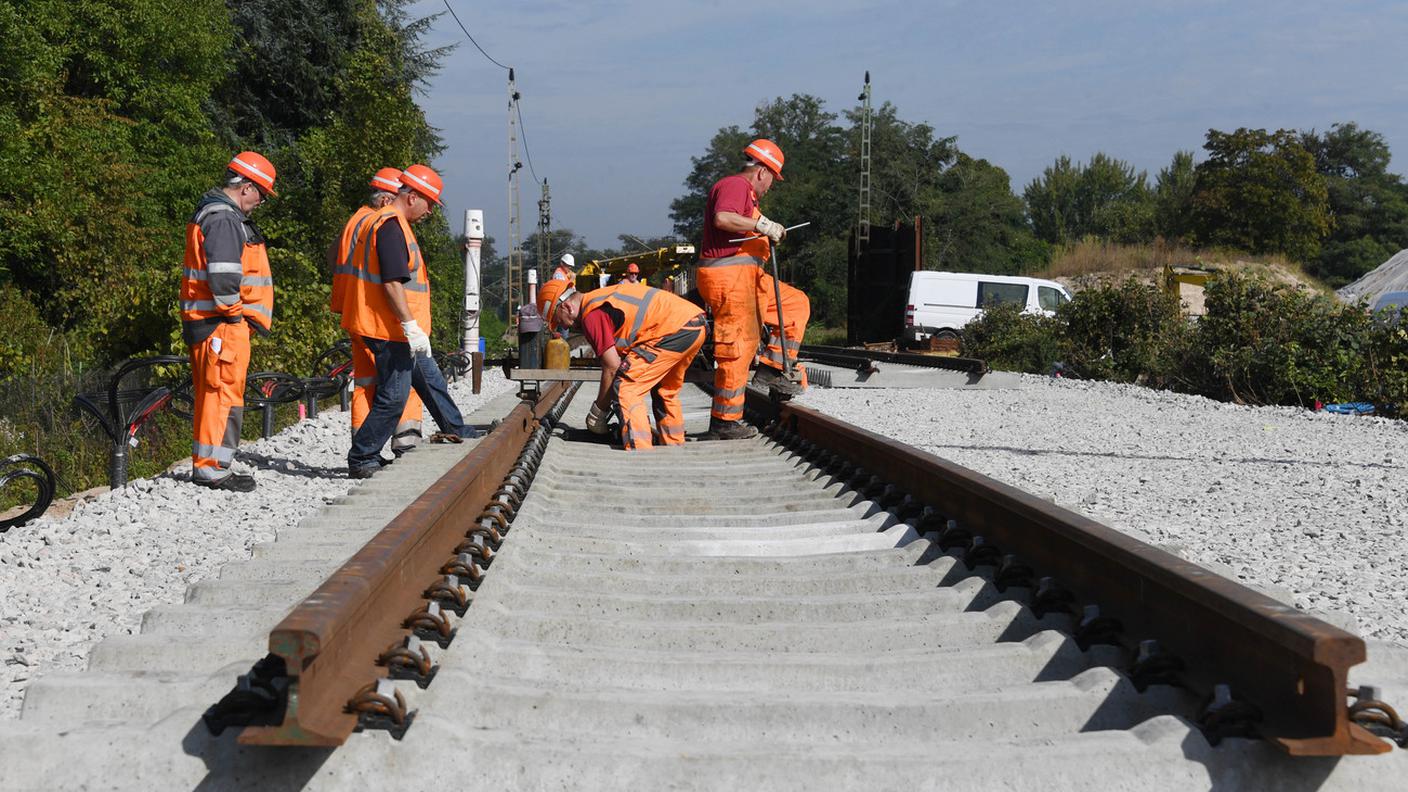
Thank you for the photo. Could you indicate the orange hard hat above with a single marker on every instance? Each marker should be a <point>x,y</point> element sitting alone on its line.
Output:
<point>254,167</point>
<point>633,268</point>
<point>550,295</point>
<point>766,153</point>
<point>424,181</point>
<point>387,180</point>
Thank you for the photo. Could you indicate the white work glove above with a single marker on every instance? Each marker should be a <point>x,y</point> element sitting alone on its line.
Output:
<point>596,419</point>
<point>419,341</point>
<point>771,229</point>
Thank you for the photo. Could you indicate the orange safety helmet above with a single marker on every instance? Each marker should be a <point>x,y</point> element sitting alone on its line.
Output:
<point>387,180</point>
<point>550,295</point>
<point>632,268</point>
<point>767,153</point>
<point>424,181</point>
<point>254,167</point>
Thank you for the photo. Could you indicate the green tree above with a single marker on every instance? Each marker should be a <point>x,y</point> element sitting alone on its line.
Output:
<point>976,224</point>
<point>1173,197</point>
<point>1368,205</point>
<point>1259,191</point>
<point>1103,198</point>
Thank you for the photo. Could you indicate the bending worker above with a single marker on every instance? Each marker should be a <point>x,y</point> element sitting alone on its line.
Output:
<point>227,292</point>
<point>645,339</point>
<point>387,305</point>
<point>742,296</point>
<point>385,184</point>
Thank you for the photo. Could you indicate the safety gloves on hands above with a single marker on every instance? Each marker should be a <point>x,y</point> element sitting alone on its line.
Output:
<point>770,229</point>
<point>596,419</point>
<point>419,341</point>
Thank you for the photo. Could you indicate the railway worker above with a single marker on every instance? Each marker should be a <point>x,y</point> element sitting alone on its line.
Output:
<point>386,303</point>
<point>384,186</point>
<point>227,293</point>
<point>632,274</point>
<point>645,338</point>
<point>732,281</point>
<point>564,269</point>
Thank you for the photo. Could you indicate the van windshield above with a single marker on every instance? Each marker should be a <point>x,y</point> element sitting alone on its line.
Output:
<point>998,293</point>
<point>1050,298</point>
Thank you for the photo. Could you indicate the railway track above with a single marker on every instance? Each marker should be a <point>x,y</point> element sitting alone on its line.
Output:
<point>817,608</point>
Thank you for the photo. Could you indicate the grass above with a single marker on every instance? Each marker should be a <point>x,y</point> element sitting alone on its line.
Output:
<point>821,335</point>
<point>1107,260</point>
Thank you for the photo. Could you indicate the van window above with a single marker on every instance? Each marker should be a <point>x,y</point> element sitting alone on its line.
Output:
<point>989,292</point>
<point>1050,298</point>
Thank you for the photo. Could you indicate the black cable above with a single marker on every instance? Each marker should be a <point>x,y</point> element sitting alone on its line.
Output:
<point>471,38</point>
<point>523,133</point>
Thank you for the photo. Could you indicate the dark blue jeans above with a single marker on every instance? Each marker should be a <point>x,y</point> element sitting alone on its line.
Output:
<point>397,371</point>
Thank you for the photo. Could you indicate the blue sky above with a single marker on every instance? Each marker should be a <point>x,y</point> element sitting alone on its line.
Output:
<point>619,94</point>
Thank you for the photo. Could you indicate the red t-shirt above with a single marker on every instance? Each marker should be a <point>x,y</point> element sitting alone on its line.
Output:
<point>729,194</point>
<point>599,330</point>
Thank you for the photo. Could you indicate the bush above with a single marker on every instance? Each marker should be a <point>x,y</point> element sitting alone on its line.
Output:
<point>1009,339</point>
<point>1121,332</point>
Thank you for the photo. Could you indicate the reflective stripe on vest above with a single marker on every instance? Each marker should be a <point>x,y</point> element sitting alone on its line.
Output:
<point>731,261</point>
<point>641,303</point>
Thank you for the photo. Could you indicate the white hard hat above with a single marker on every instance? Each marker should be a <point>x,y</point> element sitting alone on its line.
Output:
<point>568,260</point>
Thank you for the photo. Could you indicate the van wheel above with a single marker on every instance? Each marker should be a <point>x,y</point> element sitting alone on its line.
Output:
<point>948,341</point>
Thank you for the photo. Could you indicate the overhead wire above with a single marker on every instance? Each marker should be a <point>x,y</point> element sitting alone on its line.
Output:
<point>518,108</point>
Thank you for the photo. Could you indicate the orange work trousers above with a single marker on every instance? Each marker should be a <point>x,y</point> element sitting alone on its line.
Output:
<point>796,310</point>
<point>218,368</point>
<point>731,291</point>
<point>656,370</point>
<point>364,390</point>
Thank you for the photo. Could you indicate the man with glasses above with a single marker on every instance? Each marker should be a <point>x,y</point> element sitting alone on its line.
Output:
<point>387,305</point>
<point>227,292</point>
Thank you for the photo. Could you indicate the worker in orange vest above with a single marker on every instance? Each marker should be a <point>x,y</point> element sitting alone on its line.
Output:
<point>632,274</point>
<point>742,296</point>
<point>384,185</point>
<point>227,292</point>
<point>387,305</point>
<point>645,339</point>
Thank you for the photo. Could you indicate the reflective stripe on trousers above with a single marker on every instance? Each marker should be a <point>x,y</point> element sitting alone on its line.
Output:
<point>364,390</point>
<point>661,376</point>
<point>218,379</point>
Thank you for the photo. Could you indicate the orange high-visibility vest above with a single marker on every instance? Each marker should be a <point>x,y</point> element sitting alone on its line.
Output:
<point>342,271</point>
<point>650,313</point>
<point>365,309</point>
<point>199,307</point>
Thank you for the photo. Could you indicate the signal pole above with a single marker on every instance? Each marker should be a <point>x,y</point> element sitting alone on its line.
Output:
<point>513,273</point>
<point>544,225</point>
<point>863,229</point>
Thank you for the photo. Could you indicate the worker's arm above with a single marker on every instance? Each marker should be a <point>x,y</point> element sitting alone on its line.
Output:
<point>734,223</point>
<point>224,253</point>
<point>610,362</point>
<point>396,297</point>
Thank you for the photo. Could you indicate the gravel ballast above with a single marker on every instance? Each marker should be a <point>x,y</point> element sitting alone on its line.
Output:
<point>69,582</point>
<point>1309,507</point>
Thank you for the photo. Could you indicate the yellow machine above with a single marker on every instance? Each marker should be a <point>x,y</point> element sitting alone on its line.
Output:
<point>656,267</point>
<point>1188,283</point>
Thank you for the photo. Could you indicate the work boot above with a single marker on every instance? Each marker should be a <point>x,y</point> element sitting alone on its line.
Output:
<point>729,430</point>
<point>776,382</point>
<point>363,472</point>
<point>405,441</point>
<point>235,482</point>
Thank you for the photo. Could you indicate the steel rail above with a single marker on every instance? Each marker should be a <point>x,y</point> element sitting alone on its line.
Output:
<point>849,357</point>
<point>330,642</point>
<point>1291,666</point>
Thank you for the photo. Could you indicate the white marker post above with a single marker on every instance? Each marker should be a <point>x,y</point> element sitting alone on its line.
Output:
<point>474,233</point>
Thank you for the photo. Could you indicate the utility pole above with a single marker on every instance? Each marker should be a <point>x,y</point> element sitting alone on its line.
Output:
<point>474,236</point>
<point>544,226</point>
<point>513,273</point>
<point>863,229</point>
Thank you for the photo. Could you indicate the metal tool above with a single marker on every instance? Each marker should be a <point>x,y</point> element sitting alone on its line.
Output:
<point>760,236</point>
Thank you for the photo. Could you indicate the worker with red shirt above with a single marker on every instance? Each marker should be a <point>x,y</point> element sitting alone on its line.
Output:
<point>742,296</point>
<point>645,338</point>
<point>227,293</point>
<point>384,185</point>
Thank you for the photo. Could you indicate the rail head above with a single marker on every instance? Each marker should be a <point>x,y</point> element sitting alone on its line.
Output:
<point>1292,666</point>
<point>330,642</point>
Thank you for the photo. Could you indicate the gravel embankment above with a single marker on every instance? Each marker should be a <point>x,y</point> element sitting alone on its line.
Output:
<point>1310,505</point>
<point>67,583</point>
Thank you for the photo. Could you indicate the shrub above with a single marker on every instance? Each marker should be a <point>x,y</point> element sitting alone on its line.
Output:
<point>1121,332</point>
<point>1009,339</point>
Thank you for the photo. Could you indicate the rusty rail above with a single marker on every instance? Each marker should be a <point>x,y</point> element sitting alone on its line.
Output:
<point>331,641</point>
<point>1291,666</point>
<point>851,357</point>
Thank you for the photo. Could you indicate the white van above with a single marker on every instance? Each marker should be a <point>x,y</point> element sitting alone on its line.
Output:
<point>941,303</point>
